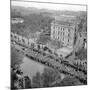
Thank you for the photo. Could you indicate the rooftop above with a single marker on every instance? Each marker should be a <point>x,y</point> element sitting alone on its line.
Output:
<point>65,20</point>
<point>64,51</point>
<point>62,22</point>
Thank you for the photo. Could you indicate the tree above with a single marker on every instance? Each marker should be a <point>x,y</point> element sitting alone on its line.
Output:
<point>36,80</point>
<point>56,44</point>
<point>81,54</point>
<point>43,39</point>
<point>16,57</point>
<point>83,23</point>
<point>45,79</point>
<point>69,81</point>
<point>48,76</point>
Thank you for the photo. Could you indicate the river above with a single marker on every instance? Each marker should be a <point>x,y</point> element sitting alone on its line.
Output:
<point>30,67</point>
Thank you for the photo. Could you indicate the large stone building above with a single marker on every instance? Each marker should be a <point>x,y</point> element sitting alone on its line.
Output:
<point>63,32</point>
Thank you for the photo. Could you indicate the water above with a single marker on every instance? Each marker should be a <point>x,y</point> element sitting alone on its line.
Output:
<point>30,67</point>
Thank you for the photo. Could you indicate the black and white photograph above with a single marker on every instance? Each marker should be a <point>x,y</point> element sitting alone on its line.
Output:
<point>48,44</point>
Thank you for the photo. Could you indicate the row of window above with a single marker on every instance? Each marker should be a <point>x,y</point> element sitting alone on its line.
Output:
<point>61,34</point>
<point>64,41</point>
<point>61,38</point>
<point>58,33</point>
<point>57,27</point>
<point>60,28</point>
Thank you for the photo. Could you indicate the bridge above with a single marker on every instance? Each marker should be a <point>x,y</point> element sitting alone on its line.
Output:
<point>67,67</point>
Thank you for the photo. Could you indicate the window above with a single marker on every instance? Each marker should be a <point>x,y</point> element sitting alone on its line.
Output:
<point>68,30</point>
<point>63,38</point>
<point>63,34</point>
<point>58,37</point>
<point>68,34</point>
<point>58,27</point>
<point>68,40</point>
<point>63,29</point>
<point>58,33</point>
<point>53,32</point>
<point>53,27</point>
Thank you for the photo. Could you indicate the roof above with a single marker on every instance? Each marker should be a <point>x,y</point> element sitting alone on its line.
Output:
<point>64,51</point>
<point>63,22</point>
<point>69,21</point>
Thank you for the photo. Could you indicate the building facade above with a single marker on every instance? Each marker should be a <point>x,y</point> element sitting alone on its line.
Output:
<point>63,32</point>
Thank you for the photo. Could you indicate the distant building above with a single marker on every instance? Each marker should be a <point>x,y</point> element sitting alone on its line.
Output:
<point>63,32</point>
<point>17,20</point>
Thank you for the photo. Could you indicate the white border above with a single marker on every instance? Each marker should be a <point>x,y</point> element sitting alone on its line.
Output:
<point>5,44</point>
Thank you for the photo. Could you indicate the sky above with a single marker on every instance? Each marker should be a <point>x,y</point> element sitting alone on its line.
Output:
<point>50,6</point>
